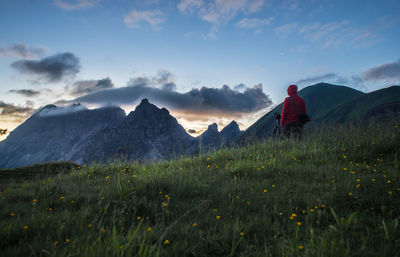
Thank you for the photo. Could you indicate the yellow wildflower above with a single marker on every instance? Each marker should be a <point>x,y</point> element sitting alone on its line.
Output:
<point>12,214</point>
<point>149,229</point>
<point>301,248</point>
<point>55,243</point>
<point>218,217</point>
<point>67,240</point>
<point>299,224</point>
<point>195,224</point>
<point>166,242</point>
<point>90,226</point>
<point>62,197</point>
<point>241,234</point>
<point>26,227</point>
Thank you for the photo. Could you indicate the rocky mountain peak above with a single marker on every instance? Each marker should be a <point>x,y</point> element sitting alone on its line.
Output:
<point>233,126</point>
<point>213,127</point>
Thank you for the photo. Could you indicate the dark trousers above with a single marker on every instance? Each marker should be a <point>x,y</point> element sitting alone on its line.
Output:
<point>294,128</point>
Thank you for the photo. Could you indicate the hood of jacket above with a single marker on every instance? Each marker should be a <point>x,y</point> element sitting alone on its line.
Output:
<point>292,90</point>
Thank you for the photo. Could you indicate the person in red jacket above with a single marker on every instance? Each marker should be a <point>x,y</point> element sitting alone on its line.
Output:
<point>290,115</point>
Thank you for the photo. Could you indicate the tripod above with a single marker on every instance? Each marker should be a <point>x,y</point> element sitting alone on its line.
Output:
<point>277,125</point>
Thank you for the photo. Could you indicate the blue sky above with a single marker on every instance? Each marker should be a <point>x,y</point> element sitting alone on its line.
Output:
<point>59,51</point>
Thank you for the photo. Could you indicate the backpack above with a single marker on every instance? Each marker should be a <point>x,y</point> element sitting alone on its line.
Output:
<point>303,117</point>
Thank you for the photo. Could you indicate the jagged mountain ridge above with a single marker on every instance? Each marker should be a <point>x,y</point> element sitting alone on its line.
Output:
<point>83,136</point>
<point>148,133</point>
<point>212,139</point>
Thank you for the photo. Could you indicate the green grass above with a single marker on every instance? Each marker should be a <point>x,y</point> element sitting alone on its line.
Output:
<point>275,198</point>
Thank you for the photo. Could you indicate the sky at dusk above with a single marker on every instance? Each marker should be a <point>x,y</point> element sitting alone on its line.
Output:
<point>204,60</point>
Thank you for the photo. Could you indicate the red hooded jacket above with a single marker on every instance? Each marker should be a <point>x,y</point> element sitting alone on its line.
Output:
<point>289,111</point>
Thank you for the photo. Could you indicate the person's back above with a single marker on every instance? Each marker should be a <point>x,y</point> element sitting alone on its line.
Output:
<point>290,121</point>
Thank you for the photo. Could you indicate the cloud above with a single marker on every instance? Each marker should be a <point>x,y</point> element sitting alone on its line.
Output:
<point>25,92</point>
<point>152,17</point>
<point>210,101</point>
<point>317,79</point>
<point>16,111</point>
<point>89,86</point>
<point>189,5</point>
<point>388,71</point>
<point>247,23</point>
<point>332,34</point>
<point>70,5</point>
<point>317,30</point>
<point>56,111</point>
<point>286,29</point>
<point>22,51</point>
<point>50,69</point>
<point>354,80</point>
<point>219,12</point>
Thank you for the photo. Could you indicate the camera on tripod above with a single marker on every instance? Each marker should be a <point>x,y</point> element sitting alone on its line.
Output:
<point>277,117</point>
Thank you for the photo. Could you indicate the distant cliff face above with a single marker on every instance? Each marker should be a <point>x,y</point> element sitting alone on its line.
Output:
<point>53,134</point>
<point>148,133</point>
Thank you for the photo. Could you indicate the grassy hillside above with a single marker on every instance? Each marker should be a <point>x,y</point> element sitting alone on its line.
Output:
<point>335,193</point>
<point>381,102</point>
<point>320,98</point>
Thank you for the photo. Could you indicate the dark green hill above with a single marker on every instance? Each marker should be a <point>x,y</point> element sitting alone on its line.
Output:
<point>321,98</point>
<point>378,104</point>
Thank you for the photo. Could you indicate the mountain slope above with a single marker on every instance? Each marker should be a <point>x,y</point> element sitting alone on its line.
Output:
<point>320,99</point>
<point>54,134</point>
<point>378,104</point>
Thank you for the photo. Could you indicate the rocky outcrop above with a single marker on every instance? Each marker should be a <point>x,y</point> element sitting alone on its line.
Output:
<point>212,139</point>
<point>230,134</point>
